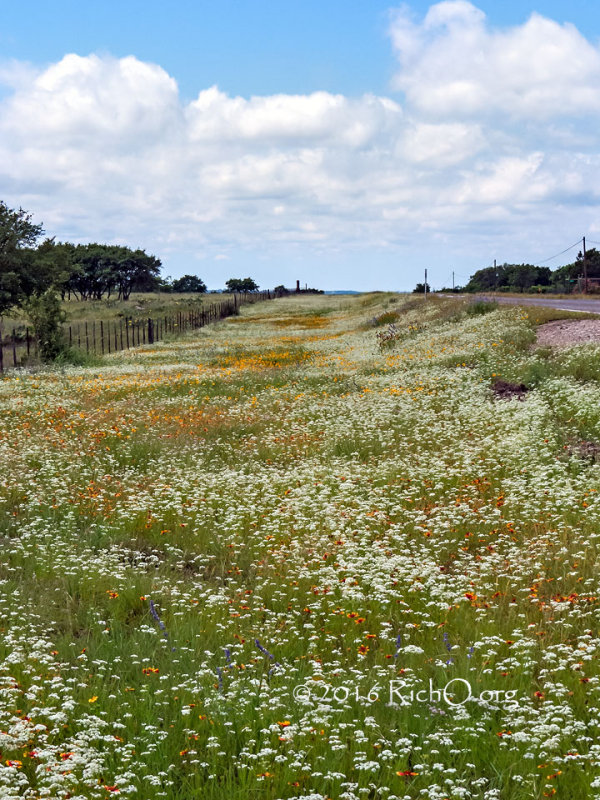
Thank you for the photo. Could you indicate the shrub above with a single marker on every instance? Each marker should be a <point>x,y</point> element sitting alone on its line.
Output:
<point>47,318</point>
<point>386,318</point>
<point>538,371</point>
<point>75,357</point>
<point>480,307</point>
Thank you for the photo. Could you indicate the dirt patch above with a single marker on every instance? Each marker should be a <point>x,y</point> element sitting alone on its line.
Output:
<point>505,390</point>
<point>586,450</point>
<point>567,332</point>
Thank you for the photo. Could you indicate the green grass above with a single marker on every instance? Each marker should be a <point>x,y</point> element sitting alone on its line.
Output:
<point>538,315</point>
<point>140,305</point>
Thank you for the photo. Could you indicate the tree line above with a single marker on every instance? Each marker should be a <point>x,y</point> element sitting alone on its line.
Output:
<point>91,271</point>
<point>531,278</point>
<point>81,271</point>
<point>36,276</point>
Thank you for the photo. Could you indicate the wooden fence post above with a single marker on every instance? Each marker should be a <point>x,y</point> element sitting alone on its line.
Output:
<point>102,336</point>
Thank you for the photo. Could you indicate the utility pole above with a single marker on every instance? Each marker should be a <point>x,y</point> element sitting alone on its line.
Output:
<point>496,274</point>
<point>425,284</point>
<point>452,280</point>
<point>585,278</point>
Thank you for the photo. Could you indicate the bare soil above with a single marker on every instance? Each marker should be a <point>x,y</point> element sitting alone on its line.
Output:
<point>505,390</point>
<point>567,332</point>
<point>584,449</point>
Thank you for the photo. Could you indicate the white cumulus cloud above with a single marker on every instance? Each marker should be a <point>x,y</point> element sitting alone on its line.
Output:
<point>453,64</point>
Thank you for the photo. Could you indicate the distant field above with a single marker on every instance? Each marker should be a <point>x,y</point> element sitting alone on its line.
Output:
<point>140,305</point>
<point>335,547</point>
<point>94,328</point>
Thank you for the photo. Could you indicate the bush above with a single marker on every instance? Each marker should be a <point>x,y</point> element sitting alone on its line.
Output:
<point>538,371</point>
<point>386,318</point>
<point>47,318</point>
<point>74,357</point>
<point>481,307</point>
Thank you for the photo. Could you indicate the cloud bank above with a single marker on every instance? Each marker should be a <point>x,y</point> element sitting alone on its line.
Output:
<point>486,136</point>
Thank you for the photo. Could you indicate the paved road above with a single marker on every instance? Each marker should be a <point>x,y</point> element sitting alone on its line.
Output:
<point>577,304</point>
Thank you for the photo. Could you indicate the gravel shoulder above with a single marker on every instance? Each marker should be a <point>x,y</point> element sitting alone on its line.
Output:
<point>566,332</point>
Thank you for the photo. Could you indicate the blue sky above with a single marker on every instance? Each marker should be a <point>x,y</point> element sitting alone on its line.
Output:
<point>246,48</point>
<point>349,144</point>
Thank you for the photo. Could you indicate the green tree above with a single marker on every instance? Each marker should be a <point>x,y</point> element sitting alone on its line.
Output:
<point>189,283</point>
<point>592,258</point>
<point>509,277</point>
<point>134,270</point>
<point>52,264</point>
<point>241,285</point>
<point>420,288</point>
<point>101,269</point>
<point>486,280</point>
<point>566,278</point>
<point>18,278</point>
<point>521,277</point>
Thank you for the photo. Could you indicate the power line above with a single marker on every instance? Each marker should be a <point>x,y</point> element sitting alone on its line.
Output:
<point>561,252</point>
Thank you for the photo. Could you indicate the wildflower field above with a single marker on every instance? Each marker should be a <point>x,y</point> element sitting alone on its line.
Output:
<point>306,552</point>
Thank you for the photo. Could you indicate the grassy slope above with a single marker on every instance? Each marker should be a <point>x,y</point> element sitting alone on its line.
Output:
<point>367,512</point>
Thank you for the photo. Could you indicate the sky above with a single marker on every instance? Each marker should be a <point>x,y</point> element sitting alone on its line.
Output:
<point>350,145</point>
